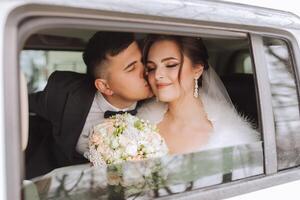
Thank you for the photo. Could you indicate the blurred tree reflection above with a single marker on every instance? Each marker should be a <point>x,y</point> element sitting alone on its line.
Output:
<point>285,102</point>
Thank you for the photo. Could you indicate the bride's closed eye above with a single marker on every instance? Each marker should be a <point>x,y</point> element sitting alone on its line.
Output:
<point>150,68</point>
<point>172,65</point>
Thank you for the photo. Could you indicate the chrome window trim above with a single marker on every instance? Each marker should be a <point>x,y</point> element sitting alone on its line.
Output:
<point>12,36</point>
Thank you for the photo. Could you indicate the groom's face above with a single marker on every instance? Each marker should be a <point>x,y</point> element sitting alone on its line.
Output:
<point>125,74</point>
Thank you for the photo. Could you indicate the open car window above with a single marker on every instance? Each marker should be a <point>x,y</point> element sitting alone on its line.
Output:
<point>165,176</point>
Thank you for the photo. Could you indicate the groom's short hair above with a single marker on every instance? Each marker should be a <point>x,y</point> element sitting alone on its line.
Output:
<point>102,44</point>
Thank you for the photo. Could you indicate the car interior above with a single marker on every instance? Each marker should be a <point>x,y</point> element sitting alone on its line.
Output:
<point>61,48</point>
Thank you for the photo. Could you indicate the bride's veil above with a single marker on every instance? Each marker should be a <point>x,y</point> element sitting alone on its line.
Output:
<point>213,87</point>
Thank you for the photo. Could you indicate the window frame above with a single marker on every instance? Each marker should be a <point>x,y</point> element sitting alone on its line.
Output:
<point>15,35</point>
<point>292,50</point>
<point>264,93</point>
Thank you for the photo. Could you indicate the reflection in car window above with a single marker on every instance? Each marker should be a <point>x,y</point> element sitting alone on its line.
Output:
<point>153,178</point>
<point>284,101</point>
<point>168,175</point>
<point>37,65</point>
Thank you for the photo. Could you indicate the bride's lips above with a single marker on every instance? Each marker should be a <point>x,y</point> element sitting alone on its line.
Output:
<point>162,85</point>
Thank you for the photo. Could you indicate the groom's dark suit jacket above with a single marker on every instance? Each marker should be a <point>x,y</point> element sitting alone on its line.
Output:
<point>61,110</point>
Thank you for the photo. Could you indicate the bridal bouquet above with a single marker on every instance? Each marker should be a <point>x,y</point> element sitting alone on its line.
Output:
<point>124,137</point>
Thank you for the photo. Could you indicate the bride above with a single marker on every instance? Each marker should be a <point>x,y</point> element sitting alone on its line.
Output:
<point>194,111</point>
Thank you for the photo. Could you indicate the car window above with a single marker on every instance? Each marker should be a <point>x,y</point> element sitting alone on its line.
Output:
<point>232,61</point>
<point>165,176</point>
<point>153,178</point>
<point>285,101</point>
<point>37,65</point>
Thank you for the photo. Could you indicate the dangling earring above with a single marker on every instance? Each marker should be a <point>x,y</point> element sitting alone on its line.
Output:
<point>196,88</point>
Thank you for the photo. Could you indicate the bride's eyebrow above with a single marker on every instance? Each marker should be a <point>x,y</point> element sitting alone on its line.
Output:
<point>168,58</point>
<point>162,60</point>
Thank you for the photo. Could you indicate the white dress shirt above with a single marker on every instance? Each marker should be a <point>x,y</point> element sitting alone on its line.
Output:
<point>96,116</point>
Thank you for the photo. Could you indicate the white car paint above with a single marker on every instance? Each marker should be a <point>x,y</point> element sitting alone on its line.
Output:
<point>288,191</point>
<point>282,191</point>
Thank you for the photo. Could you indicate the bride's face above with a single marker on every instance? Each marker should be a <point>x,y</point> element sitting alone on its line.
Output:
<point>163,65</point>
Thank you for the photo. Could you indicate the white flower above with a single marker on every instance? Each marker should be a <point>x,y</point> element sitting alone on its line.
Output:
<point>149,149</point>
<point>124,141</point>
<point>131,150</point>
<point>114,143</point>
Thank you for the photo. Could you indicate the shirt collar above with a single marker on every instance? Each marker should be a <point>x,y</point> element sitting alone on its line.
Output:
<point>104,105</point>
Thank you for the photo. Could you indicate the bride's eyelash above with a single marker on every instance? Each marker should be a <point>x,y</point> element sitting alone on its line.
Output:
<point>172,65</point>
<point>150,69</point>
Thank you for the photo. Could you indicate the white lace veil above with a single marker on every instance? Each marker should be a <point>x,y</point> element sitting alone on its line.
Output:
<point>213,87</point>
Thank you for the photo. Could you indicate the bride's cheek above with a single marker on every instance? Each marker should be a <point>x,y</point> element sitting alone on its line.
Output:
<point>152,82</point>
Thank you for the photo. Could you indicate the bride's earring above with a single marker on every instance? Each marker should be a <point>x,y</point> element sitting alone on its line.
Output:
<point>196,88</point>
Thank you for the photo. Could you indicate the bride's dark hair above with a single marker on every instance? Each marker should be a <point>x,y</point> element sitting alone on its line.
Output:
<point>192,47</point>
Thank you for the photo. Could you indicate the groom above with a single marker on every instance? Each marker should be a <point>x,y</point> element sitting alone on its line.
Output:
<point>73,103</point>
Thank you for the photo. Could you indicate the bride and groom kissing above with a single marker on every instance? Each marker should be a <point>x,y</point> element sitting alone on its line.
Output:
<point>190,106</point>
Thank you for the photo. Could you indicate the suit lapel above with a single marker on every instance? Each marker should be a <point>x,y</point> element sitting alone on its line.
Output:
<point>77,107</point>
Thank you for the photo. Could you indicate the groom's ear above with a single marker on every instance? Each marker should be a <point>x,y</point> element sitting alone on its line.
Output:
<point>103,87</point>
<point>198,70</point>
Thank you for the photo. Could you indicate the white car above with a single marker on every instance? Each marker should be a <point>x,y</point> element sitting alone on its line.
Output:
<point>254,50</point>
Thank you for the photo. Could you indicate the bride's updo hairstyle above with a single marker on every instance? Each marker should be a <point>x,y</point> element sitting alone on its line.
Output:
<point>191,47</point>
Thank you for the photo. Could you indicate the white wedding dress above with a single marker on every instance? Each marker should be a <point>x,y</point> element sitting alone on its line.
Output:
<point>229,127</point>
<point>231,130</point>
